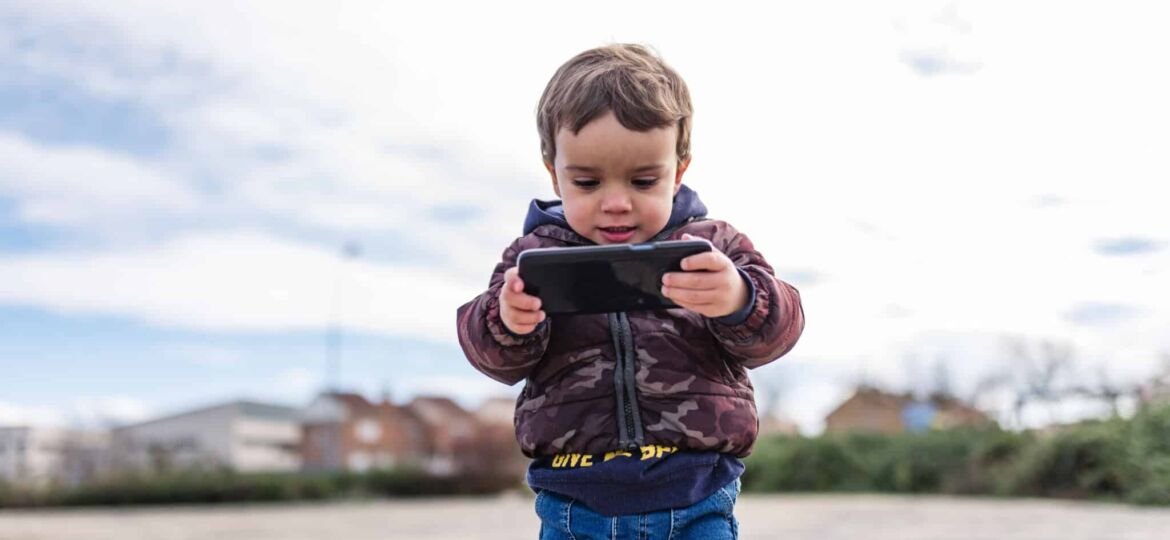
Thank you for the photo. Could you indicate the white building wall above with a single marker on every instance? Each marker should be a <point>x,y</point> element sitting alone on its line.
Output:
<point>13,441</point>
<point>261,444</point>
<point>38,455</point>
<point>46,451</point>
<point>197,438</point>
<point>28,455</point>
<point>224,435</point>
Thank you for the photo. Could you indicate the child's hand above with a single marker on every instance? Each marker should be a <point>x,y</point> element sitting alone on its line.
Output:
<point>520,312</point>
<point>709,284</point>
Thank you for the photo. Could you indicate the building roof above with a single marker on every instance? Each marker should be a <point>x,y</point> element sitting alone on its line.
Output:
<point>356,403</point>
<point>948,406</point>
<point>778,422</point>
<point>438,409</point>
<point>352,406</point>
<point>873,397</point>
<point>268,411</point>
<point>496,410</point>
<point>246,408</point>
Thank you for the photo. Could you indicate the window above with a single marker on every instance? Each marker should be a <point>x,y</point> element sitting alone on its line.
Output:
<point>359,462</point>
<point>369,431</point>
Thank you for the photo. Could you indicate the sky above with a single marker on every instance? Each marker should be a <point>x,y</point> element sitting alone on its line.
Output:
<point>192,194</point>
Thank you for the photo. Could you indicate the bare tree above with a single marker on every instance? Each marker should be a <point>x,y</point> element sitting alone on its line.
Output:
<point>941,382</point>
<point>1106,390</point>
<point>1039,373</point>
<point>1158,383</point>
<point>1162,376</point>
<point>772,386</point>
<point>916,380</point>
<point>988,383</point>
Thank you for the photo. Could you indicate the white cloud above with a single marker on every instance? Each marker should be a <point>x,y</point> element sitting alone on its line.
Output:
<point>294,385</point>
<point>81,186</point>
<point>108,410</point>
<point>21,415</point>
<point>209,355</point>
<point>82,412</point>
<point>238,281</point>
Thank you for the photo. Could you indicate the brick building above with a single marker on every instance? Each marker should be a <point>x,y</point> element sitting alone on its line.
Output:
<point>870,409</point>
<point>344,431</point>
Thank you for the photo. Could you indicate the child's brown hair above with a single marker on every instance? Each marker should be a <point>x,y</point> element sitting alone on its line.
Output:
<point>631,80</point>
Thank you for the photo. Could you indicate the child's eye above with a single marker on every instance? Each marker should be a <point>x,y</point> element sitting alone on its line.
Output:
<point>585,183</point>
<point>645,182</point>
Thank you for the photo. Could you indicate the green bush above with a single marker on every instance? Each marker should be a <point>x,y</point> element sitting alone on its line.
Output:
<point>992,459</point>
<point>1115,459</point>
<point>1148,455</point>
<point>870,451</point>
<point>958,462</point>
<point>801,464</point>
<point>1080,462</point>
<point>930,462</point>
<point>196,487</point>
<point>409,482</point>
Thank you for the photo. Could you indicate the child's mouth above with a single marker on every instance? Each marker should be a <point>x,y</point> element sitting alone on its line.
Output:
<point>617,234</point>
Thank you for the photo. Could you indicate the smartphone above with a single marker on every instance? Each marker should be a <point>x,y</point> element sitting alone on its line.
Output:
<point>604,279</point>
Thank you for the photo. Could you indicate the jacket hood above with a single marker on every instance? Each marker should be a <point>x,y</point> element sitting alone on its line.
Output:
<point>686,206</point>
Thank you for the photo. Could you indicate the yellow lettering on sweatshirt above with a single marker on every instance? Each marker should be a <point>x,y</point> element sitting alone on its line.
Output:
<point>573,460</point>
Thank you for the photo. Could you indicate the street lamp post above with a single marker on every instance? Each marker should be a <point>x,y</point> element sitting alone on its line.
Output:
<point>350,251</point>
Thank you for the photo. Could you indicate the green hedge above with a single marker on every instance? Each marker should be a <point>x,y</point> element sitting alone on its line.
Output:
<point>1148,451</point>
<point>801,465</point>
<point>1114,460</point>
<point>1087,461</point>
<point>223,486</point>
<point>952,462</point>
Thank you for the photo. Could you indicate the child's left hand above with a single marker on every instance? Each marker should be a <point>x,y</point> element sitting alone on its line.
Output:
<point>709,284</point>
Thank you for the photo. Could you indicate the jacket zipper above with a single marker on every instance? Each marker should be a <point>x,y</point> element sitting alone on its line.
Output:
<point>625,384</point>
<point>630,434</point>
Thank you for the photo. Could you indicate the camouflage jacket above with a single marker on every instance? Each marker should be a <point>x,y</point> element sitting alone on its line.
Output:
<point>598,383</point>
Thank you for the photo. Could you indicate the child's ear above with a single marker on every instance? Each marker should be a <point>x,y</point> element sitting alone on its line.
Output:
<point>552,172</point>
<point>678,174</point>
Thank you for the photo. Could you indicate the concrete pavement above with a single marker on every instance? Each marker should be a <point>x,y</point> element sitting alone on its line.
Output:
<point>797,517</point>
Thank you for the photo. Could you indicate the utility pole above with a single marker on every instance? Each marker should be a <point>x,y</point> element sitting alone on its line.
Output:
<point>350,251</point>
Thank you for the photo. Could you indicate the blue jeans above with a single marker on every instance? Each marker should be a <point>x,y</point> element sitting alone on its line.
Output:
<point>562,518</point>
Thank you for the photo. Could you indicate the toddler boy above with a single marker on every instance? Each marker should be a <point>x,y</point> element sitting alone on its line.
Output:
<point>636,421</point>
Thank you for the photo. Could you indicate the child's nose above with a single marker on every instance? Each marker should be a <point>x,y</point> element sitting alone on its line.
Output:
<point>616,201</point>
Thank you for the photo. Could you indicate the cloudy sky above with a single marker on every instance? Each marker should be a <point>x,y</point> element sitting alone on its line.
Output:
<point>178,183</point>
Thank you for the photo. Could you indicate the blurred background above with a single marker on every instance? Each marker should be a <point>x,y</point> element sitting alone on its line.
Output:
<point>234,235</point>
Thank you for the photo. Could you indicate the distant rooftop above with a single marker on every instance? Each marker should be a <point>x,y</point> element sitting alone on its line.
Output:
<point>251,409</point>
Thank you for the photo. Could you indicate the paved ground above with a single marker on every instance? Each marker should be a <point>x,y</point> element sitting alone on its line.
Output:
<point>761,517</point>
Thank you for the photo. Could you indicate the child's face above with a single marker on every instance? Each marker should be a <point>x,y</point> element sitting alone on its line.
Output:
<point>617,184</point>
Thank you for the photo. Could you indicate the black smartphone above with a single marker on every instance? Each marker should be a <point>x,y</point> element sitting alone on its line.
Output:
<point>604,279</point>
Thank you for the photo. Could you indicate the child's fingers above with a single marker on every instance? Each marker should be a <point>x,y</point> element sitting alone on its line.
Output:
<point>691,280</point>
<point>520,301</point>
<point>524,302</point>
<point>688,298</point>
<point>528,318</point>
<point>512,281</point>
<point>514,296</point>
<point>514,286</point>
<point>711,261</point>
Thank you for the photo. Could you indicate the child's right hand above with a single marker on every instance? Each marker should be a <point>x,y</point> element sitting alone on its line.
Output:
<point>520,312</point>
